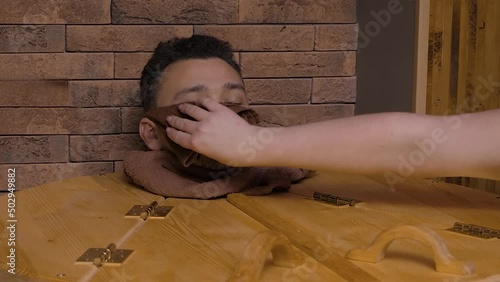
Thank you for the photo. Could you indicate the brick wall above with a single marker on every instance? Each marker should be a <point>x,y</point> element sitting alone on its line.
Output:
<point>69,71</point>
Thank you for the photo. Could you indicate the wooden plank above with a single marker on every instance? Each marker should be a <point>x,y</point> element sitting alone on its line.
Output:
<point>492,45</point>
<point>6,276</point>
<point>58,221</point>
<point>431,82</point>
<point>470,103</point>
<point>302,237</point>
<point>494,32</point>
<point>350,227</point>
<point>466,209</point>
<point>200,240</point>
<point>455,55</point>
<point>463,55</point>
<point>496,56</point>
<point>421,55</point>
<point>446,51</point>
<point>480,66</point>
<point>437,96</point>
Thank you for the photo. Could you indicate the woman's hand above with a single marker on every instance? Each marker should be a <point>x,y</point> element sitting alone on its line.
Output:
<point>217,133</point>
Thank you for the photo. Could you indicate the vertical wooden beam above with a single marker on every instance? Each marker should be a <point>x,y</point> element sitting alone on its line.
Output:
<point>447,37</point>
<point>431,67</point>
<point>455,43</point>
<point>467,55</point>
<point>493,60</point>
<point>421,56</point>
<point>492,47</point>
<point>434,98</point>
<point>480,66</point>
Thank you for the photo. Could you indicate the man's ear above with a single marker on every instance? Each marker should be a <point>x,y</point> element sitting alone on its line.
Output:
<point>147,130</point>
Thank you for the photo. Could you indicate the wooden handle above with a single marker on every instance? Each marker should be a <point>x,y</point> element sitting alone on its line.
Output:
<point>256,252</point>
<point>445,262</point>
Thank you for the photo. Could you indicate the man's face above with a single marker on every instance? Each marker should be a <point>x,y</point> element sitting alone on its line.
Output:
<point>192,79</point>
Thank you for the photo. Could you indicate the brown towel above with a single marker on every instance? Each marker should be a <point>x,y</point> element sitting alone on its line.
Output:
<point>179,172</point>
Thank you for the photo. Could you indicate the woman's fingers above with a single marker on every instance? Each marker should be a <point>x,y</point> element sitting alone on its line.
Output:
<point>182,124</point>
<point>179,137</point>
<point>194,111</point>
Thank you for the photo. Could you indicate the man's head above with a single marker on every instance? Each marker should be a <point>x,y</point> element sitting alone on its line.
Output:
<point>185,70</point>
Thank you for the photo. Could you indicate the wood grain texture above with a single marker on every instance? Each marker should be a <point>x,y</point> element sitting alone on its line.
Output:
<point>348,227</point>
<point>58,221</point>
<point>445,262</point>
<point>421,58</point>
<point>202,240</point>
<point>300,236</point>
<point>464,64</point>
<point>257,251</point>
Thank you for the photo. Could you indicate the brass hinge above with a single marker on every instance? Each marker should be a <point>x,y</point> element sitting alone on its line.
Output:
<point>108,255</point>
<point>334,200</point>
<point>475,230</point>
<point>150,211</point>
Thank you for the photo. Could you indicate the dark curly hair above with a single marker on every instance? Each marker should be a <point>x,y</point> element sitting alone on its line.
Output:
<point>177,49</point>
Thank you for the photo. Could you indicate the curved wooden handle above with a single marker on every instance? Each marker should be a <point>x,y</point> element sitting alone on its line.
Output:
<point>256,252</point>
<point>445,262</point>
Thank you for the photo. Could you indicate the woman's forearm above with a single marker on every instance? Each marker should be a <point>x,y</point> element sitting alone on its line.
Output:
<point>399,143</point>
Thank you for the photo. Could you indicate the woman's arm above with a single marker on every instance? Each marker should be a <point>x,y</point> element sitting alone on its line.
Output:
<point>395,144</point>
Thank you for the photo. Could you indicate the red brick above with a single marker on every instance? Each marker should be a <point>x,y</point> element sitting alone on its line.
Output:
<point>104,147</point>
<point>297,11</point>
<point>56,66</point>
<point>174,11</point>
<point>105,93</point>
<point>336,37</point>
<point>298,64</point>
<point>29,175</point>
<point>267,38</point>
<point>278,91</point>
<point>131,118</point>
<point>92,93</point>
<point>334,90</point>
<point>19,39</point>
<point>60,120</point>
<point>55,12</point>
<point>130,65</point>
<point>32,149</point>
<point>122,38</point>
<point>34,93</point>
<point>300,114</point>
